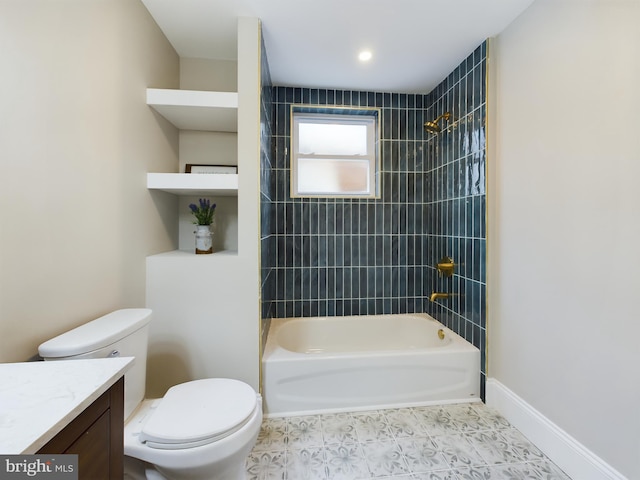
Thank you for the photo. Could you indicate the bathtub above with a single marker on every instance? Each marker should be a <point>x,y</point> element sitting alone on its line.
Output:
<point>324,364</point>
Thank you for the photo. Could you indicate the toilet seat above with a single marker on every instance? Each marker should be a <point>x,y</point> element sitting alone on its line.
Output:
<point>199,412</point>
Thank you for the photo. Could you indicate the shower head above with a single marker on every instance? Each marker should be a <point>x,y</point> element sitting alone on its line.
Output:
<point>433,127</point>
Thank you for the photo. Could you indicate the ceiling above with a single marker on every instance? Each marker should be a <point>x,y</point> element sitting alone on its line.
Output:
<point>315,43</point>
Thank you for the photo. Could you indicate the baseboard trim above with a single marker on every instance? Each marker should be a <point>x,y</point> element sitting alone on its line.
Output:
<point>566,452</point>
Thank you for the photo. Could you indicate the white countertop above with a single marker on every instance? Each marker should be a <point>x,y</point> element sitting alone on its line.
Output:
<point>39,399</point>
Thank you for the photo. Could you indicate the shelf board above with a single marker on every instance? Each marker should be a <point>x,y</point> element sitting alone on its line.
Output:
<point>220,255</point>
<point>196,110</point>
<point>213,184</point>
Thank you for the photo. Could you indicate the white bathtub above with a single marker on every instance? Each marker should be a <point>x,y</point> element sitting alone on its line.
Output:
<point>312,365</point>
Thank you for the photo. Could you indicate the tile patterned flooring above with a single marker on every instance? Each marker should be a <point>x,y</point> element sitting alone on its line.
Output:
<point>448,442</point>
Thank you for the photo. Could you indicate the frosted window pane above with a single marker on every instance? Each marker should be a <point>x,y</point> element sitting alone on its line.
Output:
<point>332,139</point>
<point>334,154</point>
<point>332,176</point>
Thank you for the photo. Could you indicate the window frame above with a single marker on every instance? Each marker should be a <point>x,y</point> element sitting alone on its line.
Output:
<point>332,114</point>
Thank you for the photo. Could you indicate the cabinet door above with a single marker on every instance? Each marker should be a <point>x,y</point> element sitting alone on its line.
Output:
<point>92,448</point>
<point>96,436</point>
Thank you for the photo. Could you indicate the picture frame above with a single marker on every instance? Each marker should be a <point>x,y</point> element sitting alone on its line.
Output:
<point>198,168</point>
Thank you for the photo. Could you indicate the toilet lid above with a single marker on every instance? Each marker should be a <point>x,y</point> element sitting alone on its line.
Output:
<point>199,412</point>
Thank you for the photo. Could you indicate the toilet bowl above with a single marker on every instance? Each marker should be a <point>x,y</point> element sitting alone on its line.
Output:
<point>158,432</point>
<point>200,430</point>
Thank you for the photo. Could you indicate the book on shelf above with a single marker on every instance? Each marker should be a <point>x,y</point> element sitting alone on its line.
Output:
<point>200,168</point>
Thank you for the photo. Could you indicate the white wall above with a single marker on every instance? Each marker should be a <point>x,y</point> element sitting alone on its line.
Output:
<point>564,206</point>
<point>76,219</point>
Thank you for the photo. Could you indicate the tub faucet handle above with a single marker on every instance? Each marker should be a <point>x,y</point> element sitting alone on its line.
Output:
<point>446,266</point>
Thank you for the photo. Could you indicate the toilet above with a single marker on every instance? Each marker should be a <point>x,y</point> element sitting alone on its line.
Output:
<point>202,429</point>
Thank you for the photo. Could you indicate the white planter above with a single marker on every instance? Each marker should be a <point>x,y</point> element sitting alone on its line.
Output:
<point>204,241</point>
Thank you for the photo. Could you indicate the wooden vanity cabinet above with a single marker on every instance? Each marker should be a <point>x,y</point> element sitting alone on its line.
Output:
<point>96,436</point>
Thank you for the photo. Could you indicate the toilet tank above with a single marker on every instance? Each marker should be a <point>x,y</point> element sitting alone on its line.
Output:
<point>123,333</point>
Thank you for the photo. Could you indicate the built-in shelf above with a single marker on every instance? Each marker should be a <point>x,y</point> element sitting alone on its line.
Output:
<point>203,111</point>
<point>212,184</point>
<point>196,110</point>
<point>185,255</point>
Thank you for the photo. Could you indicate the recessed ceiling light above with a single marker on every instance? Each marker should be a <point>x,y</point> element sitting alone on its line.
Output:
<point>365,56</point>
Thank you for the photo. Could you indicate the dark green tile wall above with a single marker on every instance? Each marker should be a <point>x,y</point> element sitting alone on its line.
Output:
<point>267,240</point>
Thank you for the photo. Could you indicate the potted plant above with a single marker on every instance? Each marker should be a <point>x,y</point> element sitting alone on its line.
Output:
<point>204,213</point>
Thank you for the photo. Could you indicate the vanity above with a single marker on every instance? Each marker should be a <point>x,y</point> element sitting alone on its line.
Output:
<point>66,406</point>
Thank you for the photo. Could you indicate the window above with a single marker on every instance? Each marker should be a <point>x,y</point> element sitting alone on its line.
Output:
<point>334,152</point>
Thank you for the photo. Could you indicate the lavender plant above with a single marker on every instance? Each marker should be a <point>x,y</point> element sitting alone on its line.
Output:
<point>203,213</point>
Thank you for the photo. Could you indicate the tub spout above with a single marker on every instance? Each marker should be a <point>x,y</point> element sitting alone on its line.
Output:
<point>435,295</point>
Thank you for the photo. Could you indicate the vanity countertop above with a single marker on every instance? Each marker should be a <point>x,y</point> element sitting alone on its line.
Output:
<point>38,399</point>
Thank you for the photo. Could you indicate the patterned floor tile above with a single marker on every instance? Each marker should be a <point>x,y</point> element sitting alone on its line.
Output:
<point>504,446</point>
<point>421,454</point>
<point>548,471</point>
<point>403,423</point>
<point>266,466</point>
<point>384,458</point>
<point>520,445</point>
<point>494,448</point>
<point>306,464</point>
<point>346,462</point>
<point>304,431</point>
<point>372,426</point>
<point>447,442</point>
<point>272,436</point>
<point>434,420</point>
<point>517,471</point>
<point>491,416</point>
<point>338,428</point>
<point>458,451</point>
<point>465,418</point>
<point>440,475</point>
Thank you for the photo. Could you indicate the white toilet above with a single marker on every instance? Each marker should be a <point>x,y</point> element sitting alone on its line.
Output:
<point>203,429</point>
